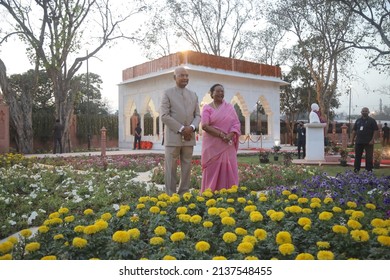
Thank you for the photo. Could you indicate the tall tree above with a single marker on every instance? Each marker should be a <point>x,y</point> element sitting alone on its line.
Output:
<point>374,34</point>
<point>320,27</point>
<point>215,27</point>
<point>59,31</point>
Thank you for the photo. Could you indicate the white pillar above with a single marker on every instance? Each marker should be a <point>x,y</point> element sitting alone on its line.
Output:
<point>315,141</point>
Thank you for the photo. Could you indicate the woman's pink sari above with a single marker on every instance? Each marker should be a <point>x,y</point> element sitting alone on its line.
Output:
<point>219,159</point>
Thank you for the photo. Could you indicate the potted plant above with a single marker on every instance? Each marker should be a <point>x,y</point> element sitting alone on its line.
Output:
<point>343,156</point>
<point>377,158</point>
<point>276,149</point>
<point>264,156</point>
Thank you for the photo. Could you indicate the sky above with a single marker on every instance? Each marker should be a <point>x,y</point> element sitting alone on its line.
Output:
<point>109,63</point>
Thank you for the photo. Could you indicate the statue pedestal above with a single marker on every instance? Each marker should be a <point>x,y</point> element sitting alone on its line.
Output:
<point>315,141</point>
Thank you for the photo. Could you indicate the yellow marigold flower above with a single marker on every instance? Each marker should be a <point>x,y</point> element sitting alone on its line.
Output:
<point>250,208</point>
<point>49,258</point>
<point>101,224</point>
<point>337,209</point>
<point>270,212</point>
<point>286,249</point>
<point>63,210</point>
<point>370,206</point>
<point>192,206</point>
<point>283,237</point>
<point>32,246</point>
<point>351,204</point>
<point>177,236</point>
<point>88,212</point>
<point>303,221</point>
<point>6,257</point>
<point>54,221</point>
<point>140,206</point>
<point>207,193</point>
<point>307,211</point>
<point>208,224</point>
<point>250,238</point>
<point>184,218</point>
<point>25,233</point>
<point>202,246</point>
<point>163,204</point>
<point>240,231</point>
<point>187,196</point>
<point>160,230</point>
<point>263,199</point>
<point>200,198</point>
<point>134,233</point>
<point>303,200</point>
<point>143,199</point>
<point>13,239</point>
<point>384,240</point>
<point>91,229</point>
<point>153,199</point>
<point>380,231</point>
<point>229,237</point>
<point>196,219</point>
<point>211,202</point>
<point>378,223</point>
<point>243,188</point>
<point>69,219</point>
<point>162,213</point>
<point>286,192</point>
<point>54,215</point>
<point>79,229</point>
<point>223,214</point>
<point>292,197</point>
<point>356,215</point>
<point>315,205</point>
<point>305,256</point>
<point>169,258</point>
<point>315,200</point>
<point>230,200</point>
<point>228,221</point>
<point>245,247</point>
<point>43,229</point>
<point>58,236</point>
<point>256,216</point>
<point>349,211</point>
<point>241,200</point>
<point>219,258</point>
<point>328,200</point>
<point>154,210</point>
<point>325,216</point>
<point>354,224</point>
<point>135,218</point>
<point>124,207</point>
<point>325,255</point>
<point>213,211</point>
<point>121,213</point>
<point>181,210</point>
<point>157,240</point>
<point>106,216</point>
<point>6,246</point>
<point>232,190</point>
<point>339,229</point>
<point>231,210</point>
<point>294,209</point>
<point>323,245</point>
<point>121,236</point>
<point>360,235</point>
<point>307,227</point>
<point>260,234</point>
<point>251,258</point>
<point>277,216</point>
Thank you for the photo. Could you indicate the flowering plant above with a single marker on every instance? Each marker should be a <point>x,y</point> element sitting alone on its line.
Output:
<point>377,155</point>
<point>276,148</point>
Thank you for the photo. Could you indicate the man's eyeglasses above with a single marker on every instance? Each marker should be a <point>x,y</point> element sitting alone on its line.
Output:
<point>182,76</point>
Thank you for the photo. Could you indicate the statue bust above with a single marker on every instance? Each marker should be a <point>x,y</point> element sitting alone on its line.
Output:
<point>313,116</point>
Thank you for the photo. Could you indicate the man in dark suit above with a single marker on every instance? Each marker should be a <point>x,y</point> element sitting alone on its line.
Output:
<point>301,140</point>
<point>180,114</point>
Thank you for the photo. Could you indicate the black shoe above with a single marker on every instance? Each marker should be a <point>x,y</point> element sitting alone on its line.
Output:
<point>356,170</point>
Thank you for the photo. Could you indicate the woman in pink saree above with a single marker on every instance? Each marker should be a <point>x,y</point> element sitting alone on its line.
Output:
<point>221,128</point>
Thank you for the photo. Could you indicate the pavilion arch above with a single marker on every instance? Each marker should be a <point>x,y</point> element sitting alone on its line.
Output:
<point>148,106</point>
